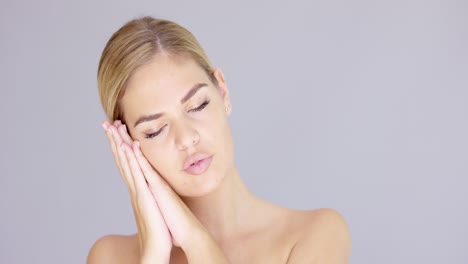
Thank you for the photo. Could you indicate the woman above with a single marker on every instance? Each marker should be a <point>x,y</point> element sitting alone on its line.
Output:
<point>172,143</point>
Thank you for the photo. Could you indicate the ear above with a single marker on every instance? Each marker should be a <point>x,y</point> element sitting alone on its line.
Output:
<point>223,90</point>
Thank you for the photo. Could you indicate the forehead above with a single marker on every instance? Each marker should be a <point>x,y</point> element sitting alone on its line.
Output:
<point>160,84</point>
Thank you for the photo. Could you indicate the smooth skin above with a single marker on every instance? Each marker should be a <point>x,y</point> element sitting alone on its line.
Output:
<point>206,218</point>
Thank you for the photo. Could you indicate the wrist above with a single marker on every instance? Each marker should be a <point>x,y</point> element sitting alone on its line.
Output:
<point>201,247</point>
<point>154,259</point>
<point>196,238</point>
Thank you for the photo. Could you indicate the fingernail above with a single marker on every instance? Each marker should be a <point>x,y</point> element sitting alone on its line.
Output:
<point>125,127</point>
<point>104,125</point>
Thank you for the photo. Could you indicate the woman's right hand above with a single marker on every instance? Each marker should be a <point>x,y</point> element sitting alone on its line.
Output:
<point>154,237</point>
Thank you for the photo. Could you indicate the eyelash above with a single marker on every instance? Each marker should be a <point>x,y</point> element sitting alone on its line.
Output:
<point>201,107</point>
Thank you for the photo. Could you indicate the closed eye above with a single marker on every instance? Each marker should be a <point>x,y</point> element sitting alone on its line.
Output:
<point>203,105</point>
<point>152,135</point>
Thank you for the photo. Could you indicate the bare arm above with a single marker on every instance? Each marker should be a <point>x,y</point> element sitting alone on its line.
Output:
<point>203,249</point>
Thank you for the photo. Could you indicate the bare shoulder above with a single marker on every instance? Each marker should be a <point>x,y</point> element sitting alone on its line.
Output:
<point>114,249</point>
<point>325,221</point>
<point>324,237</point>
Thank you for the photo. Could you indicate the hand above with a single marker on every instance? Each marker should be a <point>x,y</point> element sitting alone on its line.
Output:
<point>154,237</point>
<point>173,215</point>
<point>180,221</point>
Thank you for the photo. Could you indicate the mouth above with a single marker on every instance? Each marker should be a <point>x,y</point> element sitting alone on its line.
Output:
<point>197,163</point>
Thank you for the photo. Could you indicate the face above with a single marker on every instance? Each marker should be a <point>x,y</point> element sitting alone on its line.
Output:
<point>173,109</point>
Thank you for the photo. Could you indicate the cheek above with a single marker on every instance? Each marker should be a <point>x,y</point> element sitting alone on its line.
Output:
<point>218,135</point>
<point>158,158</point>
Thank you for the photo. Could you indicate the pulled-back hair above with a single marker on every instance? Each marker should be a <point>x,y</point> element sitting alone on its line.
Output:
<point>135,44</point>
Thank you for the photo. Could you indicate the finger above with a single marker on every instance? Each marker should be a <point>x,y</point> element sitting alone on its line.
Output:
<point>139,177</point>
<point>112,144</point>
<point>115,144</point>
<point>117,124</point>
<point>123,161</point>
<point>124,135</point>
<point>134,167</point>
<point>145,209</point>
<point>171,207</point>
<point>105,125</point>
<point>122,128</point>
<point>146,202</point>
<point>161,190</point>
<point>119,157</point>
<point>150,174</point>
<point>144,205</point>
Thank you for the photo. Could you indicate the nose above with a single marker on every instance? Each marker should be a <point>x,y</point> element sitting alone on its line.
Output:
<point>186,136</point>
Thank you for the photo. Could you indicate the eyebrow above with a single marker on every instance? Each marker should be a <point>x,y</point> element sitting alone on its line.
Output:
<point>189,95</point>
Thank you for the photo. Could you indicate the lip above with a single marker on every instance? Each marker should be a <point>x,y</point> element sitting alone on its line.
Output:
<point>200,160</point>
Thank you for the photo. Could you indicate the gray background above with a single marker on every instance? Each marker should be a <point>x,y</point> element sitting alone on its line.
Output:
<point>356,105</point>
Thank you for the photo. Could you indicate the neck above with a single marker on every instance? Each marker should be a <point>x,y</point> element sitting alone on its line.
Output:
<point>224,211</point>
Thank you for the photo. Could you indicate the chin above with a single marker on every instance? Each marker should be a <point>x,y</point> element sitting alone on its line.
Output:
<point>201,185</point>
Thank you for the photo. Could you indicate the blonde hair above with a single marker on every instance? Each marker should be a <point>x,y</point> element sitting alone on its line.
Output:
<point>135,44</point>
